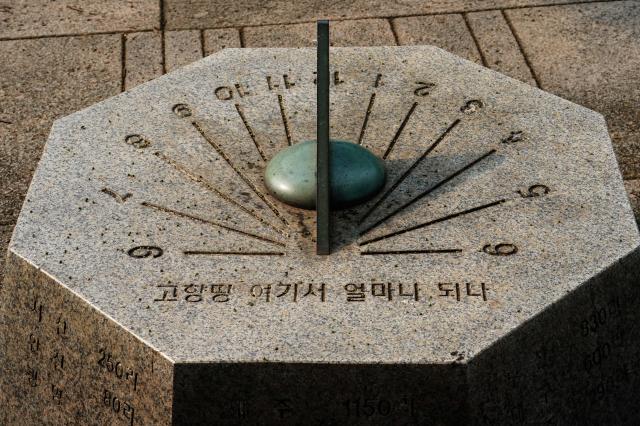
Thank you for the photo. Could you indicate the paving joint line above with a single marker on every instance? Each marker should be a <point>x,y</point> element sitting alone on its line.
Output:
<point>521,48</point>
<point>241,36</point>
<point>394,31</point>
<point>475,39</point>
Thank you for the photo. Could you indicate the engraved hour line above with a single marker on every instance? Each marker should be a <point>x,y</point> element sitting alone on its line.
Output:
<point>434,251</point>
<point>406,173</point>
<point>433,222</point>
<point>378,79</point>
<point>430,190</point>
<point>211,222</point>
<point>399,131</point>
<point>366,118</point>
<point>250,131</point>
<point>216,191</point>
<point>232,253</point>
<point>285,120</point>
<point>256,191</point>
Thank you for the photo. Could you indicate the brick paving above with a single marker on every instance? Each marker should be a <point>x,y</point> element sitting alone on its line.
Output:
<point>61,56</point>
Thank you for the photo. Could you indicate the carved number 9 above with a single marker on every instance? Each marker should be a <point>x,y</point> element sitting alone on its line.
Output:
<point>142,252</point>
<point>535,191</point>
<point>472,106</point>
<point>137,141</point>
<point>502,249</point>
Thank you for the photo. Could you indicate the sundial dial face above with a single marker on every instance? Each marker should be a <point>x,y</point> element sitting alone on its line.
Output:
<point>500,200</point>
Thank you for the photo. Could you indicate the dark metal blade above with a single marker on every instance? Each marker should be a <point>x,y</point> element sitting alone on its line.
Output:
<point>323,208</point>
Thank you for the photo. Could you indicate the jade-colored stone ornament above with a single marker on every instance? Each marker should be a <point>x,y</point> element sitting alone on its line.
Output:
<point>356,174</point>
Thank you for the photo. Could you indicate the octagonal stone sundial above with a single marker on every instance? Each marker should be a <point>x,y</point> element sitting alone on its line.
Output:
<point>153,279</point>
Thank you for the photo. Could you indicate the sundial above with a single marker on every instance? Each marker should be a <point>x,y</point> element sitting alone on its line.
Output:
<point>154,278</point>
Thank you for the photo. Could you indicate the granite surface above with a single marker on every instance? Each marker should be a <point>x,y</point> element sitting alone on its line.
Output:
<point>154,235</point>
<point>591,55</point>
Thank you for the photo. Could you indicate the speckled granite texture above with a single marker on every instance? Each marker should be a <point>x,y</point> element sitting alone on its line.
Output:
<point>495,279</point>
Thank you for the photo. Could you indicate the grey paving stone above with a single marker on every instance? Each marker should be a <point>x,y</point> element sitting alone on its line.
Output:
<point>5,236</point>
<point>43,79</point>
<point>185,14</point>
<point>181,48</point>
<point>448,32</point>
<point>364,32</point>
<point>143,57</point>
<point>590,54</point>
<point>30,18</point>
<point>216,40</point>
<point>498,45</point>
<point>633,190</point>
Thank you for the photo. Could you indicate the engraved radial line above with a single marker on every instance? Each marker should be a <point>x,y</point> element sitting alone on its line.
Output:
<point>232,253</point>
<point>238,172</point>
<point>399,131</point>
<point>210,222</point>
<point>285,120</point>
<point>428,191</point>
<point>366,118</point>
<point>432,222</point>
<point>216,191</point>
<point>409,170</point>
<point>435,251</point>
<point>250,131</point>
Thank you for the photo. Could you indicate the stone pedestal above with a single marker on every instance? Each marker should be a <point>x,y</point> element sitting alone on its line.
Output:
<point>152,279</point>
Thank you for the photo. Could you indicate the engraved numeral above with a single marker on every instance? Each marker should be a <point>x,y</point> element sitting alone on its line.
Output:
<point>535,191</point>
<point>119,198</point>
<point>137,141</point>
<point>502,249</point>
<point>142,252</point>
<point>472,106</point>
<point>225,93</point>
<point>423,88</point>
<point>123,409</point>
<point>515,136</point>
<point>182,110</point>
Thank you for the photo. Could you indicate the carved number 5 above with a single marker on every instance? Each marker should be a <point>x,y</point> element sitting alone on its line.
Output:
<point>502,249</point>
<point>142,252</point>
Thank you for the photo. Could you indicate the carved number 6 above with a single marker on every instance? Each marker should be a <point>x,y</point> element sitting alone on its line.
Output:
<point>502,249</point>
<point>142,252</point>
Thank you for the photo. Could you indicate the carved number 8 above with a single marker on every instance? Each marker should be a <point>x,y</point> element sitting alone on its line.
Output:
<point>137,141</point>
<point>502,249</point>
<point>142,252</point>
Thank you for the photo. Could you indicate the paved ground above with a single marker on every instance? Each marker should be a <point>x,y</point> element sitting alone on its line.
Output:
<point>58,56</point>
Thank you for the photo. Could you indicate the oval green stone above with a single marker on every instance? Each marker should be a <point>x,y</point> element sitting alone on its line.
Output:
<point>356,174</point>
